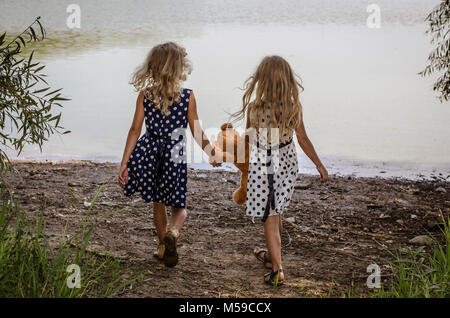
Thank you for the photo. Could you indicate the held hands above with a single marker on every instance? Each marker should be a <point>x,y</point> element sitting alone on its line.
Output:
<point>323,173</point>
<point>123,176</point>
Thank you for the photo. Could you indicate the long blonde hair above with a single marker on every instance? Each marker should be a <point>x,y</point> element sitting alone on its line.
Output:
<point>276,90</point>
<point>161,75</point>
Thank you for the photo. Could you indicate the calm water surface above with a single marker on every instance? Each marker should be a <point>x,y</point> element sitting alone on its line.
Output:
<point>365,108</point>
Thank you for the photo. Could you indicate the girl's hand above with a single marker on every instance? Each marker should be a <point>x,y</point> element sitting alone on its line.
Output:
<point>323,173</point>
<point>123,176</point>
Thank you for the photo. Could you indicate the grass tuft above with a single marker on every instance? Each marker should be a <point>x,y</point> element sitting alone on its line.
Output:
<point>419,273</point>
<point>30,267</point>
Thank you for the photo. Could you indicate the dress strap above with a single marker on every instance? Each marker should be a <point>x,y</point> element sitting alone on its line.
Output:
<point>160,153</point>
<point>280,145</point>
<point>271,195</point>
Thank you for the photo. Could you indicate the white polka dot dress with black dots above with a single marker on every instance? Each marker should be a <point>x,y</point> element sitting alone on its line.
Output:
<point>282,164</point>
<point>284,177</point>
<point>157,166</point>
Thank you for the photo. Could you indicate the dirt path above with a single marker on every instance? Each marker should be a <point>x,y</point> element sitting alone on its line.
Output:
<point>330,230</point>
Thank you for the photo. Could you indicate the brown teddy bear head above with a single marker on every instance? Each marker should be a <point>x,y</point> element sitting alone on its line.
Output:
<point>235,147</point>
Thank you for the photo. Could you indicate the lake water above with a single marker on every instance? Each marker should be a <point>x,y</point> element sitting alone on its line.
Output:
<point>365,108</point>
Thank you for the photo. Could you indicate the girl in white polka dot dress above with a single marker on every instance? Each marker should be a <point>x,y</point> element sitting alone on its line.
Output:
<point>155,164</point>
<point>273,110</point>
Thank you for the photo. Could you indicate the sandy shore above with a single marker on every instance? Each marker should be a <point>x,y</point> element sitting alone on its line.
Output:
<point>332,231</point>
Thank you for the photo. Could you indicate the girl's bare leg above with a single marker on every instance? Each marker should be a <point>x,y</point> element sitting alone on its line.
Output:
<point>281,225</point>
<point>178,217</point>
<point>170,240</point>
<point>272,228</point>
<point>281,231</point>
<point>160,219</point>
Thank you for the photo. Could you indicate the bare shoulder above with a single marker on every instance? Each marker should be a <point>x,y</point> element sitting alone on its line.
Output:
<point>140,100</point>
<point>191,96</point>
<point>192,101</point>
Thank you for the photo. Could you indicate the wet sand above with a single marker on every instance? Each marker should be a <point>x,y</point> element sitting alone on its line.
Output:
<point>332,231</point>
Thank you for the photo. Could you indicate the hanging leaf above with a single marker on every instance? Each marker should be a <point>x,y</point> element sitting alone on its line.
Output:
<point>26,99</point>
<point>439,59</point>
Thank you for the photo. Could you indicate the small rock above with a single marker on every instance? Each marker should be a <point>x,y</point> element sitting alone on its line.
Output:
<point>434,226</point>
<point>441,189</point>
<point>60,215</point>
<point>400,221</point>
<point>202,175</point>
<point>383,216</point>
<point>302,186</point>
<point>413,191</point>
<point>421,240</point>
<point>374,206</point>
<point>403,251</point>
<point>413,216</point>
<point>87,204</point>
<point>290,220</point>
<point>401,201</point>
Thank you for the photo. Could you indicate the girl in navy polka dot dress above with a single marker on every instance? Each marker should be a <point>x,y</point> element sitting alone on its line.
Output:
<point>155,164</point>
<point>272,106</point>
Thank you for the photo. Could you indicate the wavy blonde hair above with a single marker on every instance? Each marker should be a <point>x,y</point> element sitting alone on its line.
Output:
<point>161,75</point>
<point>276,93</point>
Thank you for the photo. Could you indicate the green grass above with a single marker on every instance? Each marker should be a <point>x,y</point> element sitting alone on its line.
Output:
<point>419,273</point>
<point>30,267</point>
<point>416,272</point>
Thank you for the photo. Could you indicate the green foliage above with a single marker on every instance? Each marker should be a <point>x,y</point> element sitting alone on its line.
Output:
<point>26,99</point>
<point>439,59</point>
<point>30,267</point>
<point>421,274</point>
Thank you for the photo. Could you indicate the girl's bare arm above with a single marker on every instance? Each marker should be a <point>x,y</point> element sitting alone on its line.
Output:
<point>135,129</point>
<point>309,150</point>
<point>197,131</point>
<point>133,136</point>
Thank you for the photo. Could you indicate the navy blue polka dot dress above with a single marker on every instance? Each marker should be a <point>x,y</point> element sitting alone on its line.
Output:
<point>157,166</point>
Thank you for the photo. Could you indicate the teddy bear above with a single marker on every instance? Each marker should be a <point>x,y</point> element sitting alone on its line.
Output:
<point>236,149</point>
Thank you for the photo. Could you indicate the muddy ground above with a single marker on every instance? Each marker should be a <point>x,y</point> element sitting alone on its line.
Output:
<point>332,231</point>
